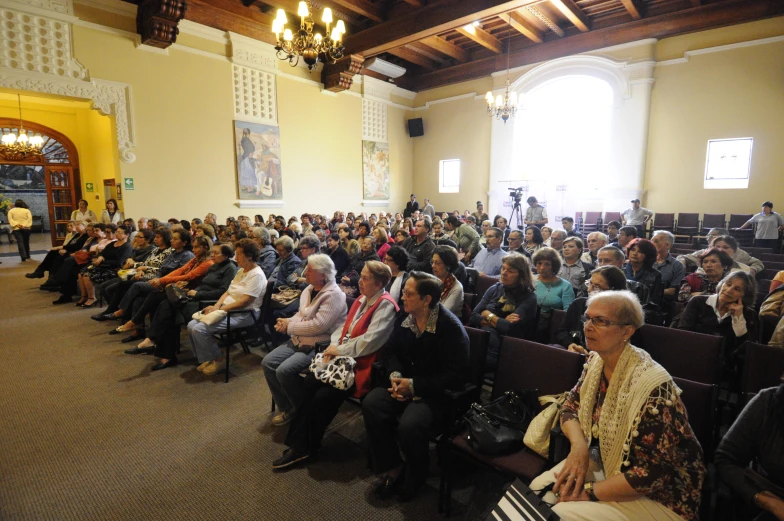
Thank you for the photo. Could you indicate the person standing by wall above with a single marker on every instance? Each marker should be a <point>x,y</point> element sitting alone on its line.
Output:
<point>535,214</point>
<point>429,210</point>
<point>411,206</point>
<point>21,220</point>
<point>769,224</point>
<point>636,216</point>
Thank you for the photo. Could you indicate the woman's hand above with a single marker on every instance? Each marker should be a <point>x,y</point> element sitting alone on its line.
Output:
<point>141,269</point>
<point>345,279</point>
<point>569,482</point>
<point>181,284</point>
<point>330,353</point>
<point>282,325</point>
<point>736,309</point>
<point>155,283</point>
<point>192,293</point>
<point>208,310</point>
<point>577,348</point>
<point>514,317</point>
<point>128,264</point>
<point>582,497</point>
<point>97,261</point>
<point>400,389</point>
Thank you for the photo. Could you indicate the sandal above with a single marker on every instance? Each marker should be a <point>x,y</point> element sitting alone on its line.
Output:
<point>122,329</point>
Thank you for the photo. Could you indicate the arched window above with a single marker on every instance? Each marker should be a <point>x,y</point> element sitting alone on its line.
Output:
<point>52,150</point>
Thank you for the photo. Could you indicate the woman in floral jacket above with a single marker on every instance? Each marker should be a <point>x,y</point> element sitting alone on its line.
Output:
<point>633,453</point>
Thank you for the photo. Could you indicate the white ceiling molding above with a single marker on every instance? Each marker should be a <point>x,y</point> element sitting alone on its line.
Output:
<point>111,6</point>
<point>253,53</point>
<point>428,104</point>
<point>377,204</point>
<point>720,48</point>
<point>54,8</point>
<point>202,31</point>
<point>376,89</point>
<point>264,203</point>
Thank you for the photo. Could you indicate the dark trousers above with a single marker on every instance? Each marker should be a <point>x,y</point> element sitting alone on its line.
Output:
<point>22,242</point>
<point>54,268</point>
<point>320,403</point>
<point>48,262</point>
<point>117,293</point>
<point>165,330</point>
<point>148,305</point>
<point>394,427</point>
<point>761,243</point>
<point>67,275</point>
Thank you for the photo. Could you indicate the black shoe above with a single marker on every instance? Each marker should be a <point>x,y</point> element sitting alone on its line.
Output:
<point>102,317</point>
<point>63,300</point>
<point>288,459</point>
<point>49,287</point>
<point>140,351</point>
<point>164,365</point>
<point>386,489</point>
<point>134,338</point>
<point>34,275</point>
<point>408,492</point>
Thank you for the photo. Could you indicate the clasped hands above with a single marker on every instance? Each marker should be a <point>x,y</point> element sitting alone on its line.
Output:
<point>569,482</point>
<point>514,317</point>
<point>400,389</point>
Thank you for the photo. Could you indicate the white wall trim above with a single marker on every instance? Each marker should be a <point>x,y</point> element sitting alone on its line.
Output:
<point>106,29</point>
<point>110,6</point>
<point>378,204</point>
<point>202,31</point>
<point>261,203</point>
<point>206,54</point>
<point>428,104</point>
<point>720,48</point>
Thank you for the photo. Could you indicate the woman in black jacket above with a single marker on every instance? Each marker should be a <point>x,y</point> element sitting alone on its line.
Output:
<point>104,266</point>
<point>339,255</point>
<point>164,334</point>
<point>728,313</point>
<point>367,252</point>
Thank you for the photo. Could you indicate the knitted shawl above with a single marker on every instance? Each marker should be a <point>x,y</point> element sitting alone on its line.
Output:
<point>638,384</point>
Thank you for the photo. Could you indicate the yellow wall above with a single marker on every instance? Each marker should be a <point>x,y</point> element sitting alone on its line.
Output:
<point>92,134</point>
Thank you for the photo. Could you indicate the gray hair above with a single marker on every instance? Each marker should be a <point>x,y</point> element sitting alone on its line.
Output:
<point>261,233</point>
<point>616,253</point>
<point>273,233</point>
<point>718,231</point>
<point>749,298</point>
<point>669,235</point>
<point>322,264</point>
<point>599,235</point>
<point>286,242</point>
<point>560,233</point>
<point>517,232</point>
<point>311,241</point>
<point>487,221</point>
<point>319,233</point>
<point>627,307</point>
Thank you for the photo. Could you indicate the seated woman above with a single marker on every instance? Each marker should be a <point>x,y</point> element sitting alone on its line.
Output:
<point>633,453</point>
<point>192,272</point>
<point>714,266</point>
<point>729,245</point>
<point>322,308</point>
<point>533,240</point>
<point>308,245</point>
<point>131,225</point>
<point>367,252</point>
<point>144,271</point>
<point>508,307</point>
<point>426,355</point>
<point>112,213</point>
<point>339,256</point>
<point>400,236</point>
<point>445,264</point>
<point>104,267</point>
<point>728,313</point>
<point>546,233</point>
<point>382,241</point>
<point>163,337</point>
<point>67,275</point>
<point>438,231</point>
<point>287,262</point>
<point>55,256</point>
<point>570,331</point>
<point>245,293</point>
<point>204,229</point>
<point>82,214</point>
<point>397,260</point>
<point>347,241</point>
<point>573,268</point>
<point>142,249</point>
<point>365,331</point>
<point>755,437</point>
<point>642,256</point>
<point>552,292</point>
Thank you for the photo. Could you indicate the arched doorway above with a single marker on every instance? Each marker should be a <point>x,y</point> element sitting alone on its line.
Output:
<point>55,174</point>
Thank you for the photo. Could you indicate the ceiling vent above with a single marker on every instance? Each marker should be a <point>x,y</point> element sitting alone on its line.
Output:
<point>383,67</point>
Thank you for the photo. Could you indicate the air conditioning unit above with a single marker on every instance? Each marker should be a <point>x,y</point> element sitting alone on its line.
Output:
<point>384,67</point>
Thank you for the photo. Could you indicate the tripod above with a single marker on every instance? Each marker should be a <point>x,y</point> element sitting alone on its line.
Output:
<point>516,210</point>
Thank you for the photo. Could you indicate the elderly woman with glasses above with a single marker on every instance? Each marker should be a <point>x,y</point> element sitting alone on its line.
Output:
<point>508,307</point>
<point>633,453</point>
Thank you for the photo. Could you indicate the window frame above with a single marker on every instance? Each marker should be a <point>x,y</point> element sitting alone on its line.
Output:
<point>712,183</point>
<point>449,189</point>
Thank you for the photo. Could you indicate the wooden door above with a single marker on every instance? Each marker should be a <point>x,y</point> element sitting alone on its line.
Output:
<point>61,190</point>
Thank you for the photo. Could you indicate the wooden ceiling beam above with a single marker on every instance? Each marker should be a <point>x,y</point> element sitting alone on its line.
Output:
<point>414,57</point>
<point>362,7</point>
<point>525,27</point>
<point>696,3</point>
<point>415,3</point>
<point>481,37</point>
<point>572,13</point>
<point>230,16</point>
<point>633,8</point>
<point>545,20</point>
<point>446,47</point>
<point>708,16</point>
<point>435,18</point>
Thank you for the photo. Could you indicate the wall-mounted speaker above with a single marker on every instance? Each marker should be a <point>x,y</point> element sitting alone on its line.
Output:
<point>416,128</point>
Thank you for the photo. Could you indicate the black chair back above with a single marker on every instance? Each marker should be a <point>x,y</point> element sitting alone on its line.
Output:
<point>700,401</point>
<point>483,283</point>
<point>684,354</point>
<point>478,341</point>
<point>713,220</point>
<point>555,322</point>
<point>762,368</point>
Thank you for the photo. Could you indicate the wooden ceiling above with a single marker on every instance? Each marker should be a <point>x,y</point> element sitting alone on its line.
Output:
<point>440,42</point>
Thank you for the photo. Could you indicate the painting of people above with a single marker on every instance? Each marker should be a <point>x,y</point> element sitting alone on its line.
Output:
<point>258,161</point>
<point>375,170</point>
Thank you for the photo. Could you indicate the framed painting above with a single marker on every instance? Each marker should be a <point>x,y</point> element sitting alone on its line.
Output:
<point>257,148</point>
<point>375,170</point>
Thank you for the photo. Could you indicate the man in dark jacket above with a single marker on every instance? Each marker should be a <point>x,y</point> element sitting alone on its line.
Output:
<point>411,206</point>
<point>427,354</point>
<point>420,247</point>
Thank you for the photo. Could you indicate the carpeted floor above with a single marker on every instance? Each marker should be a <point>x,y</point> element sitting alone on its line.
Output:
<point>89,433</point>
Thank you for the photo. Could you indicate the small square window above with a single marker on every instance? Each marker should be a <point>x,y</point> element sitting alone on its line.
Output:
<point>728,164</point>
<point>449,176</point>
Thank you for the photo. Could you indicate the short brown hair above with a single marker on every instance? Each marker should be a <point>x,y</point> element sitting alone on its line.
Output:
<point>250,248</point>
<point>380,271</point>
<point>548,254</point>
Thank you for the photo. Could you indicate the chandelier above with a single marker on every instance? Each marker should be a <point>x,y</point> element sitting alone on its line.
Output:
<point>503,107</point>
<point>20,146</point>
<point>312,47</point>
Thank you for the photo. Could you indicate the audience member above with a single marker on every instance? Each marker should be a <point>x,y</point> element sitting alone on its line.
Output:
<point>535,214</point>
<point>480,215</point>
<point>112,214</point>
<point>382,241</point>
<point>721,239</point>
<point>568,226</point>
<point>637,217</point>
<point>534,241</point>
<point>339,255</point>
<point>595,241</point>
<point>366,253</point>
<point>82,214</point>
<point>626,235</point>
<point>516,239</point>
<point>411,206</point>
<point>465,236</point>
<point>714,266</point>
<point>103,267</point>
<point>488,260</point>
<point>55,256</point>
<point>768,226</point>
<point>429,210</point>
<point>613,228</point>
<point>397,260</point>
<point>287,262</point>
<point>642,256</point>
<point>546,233</point>
<point>556,241</point>
<point>573,269</point>
<point>672,271</point>
<point>552,292</point>
<point>444,265</point>
<point>420,247</point>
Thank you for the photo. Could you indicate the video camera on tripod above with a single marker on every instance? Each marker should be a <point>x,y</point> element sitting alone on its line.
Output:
<point>516,194</point>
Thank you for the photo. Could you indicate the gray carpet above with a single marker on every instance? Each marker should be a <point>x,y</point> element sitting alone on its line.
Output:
<point>89,433</point>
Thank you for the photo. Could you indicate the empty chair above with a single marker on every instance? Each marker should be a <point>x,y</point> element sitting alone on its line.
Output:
<point>688,224</point>
<point>738,219</point>
<point>700,401</point>
<point>713,220</point>
<point>684,354</point>
<point>664,221</point>
<point>763,368</point>
<point>483,283</point>
<point>591,222</point>
<point>611,216</point>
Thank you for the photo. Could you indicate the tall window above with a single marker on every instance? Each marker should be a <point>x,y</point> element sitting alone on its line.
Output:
<point>562,141</point>
<point>728,163</point>
<point>449,176</point>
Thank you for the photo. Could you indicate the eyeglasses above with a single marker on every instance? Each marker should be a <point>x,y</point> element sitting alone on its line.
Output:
<point>590,285</point>
<point>600,321</point>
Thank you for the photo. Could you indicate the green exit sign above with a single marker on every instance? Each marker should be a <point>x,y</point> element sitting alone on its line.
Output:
<point>128,183</point>
<point>89,187</point>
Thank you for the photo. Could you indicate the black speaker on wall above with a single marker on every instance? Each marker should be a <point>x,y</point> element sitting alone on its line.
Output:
<point>416,128</point>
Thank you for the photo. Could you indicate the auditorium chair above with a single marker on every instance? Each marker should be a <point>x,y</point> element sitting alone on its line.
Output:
<point>691,356</point>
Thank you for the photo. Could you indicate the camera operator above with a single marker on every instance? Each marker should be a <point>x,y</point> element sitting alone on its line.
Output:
<point>535,214</point>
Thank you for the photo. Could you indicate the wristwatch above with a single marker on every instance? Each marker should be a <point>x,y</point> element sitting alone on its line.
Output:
<point>588,487</point>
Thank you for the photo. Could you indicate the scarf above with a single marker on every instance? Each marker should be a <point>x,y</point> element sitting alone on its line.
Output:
<point>448,284</point>
<point>638,385</point>
<point>507,301</point>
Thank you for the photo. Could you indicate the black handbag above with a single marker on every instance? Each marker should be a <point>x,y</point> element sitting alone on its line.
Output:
<point>499,426</point>
<point>176,295</point>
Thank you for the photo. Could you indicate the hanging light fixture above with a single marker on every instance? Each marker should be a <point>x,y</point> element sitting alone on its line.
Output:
<point>312,47</point>
<point>20,146</point>
<point>503,107</point>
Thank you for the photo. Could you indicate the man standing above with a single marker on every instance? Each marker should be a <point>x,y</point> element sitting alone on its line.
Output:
<point>672,271</point>
<point>516,238</point>
<point>596,241</point>
<point>637,217</point>
<point>535,214</point>
<point>479,215</point>
<point>420,247</point>
<point>488,261</point>
<point>429,209</point>
<point>568,226</point>
<point>465,236</point>
<point>411,206</point>
<point>556,241</point>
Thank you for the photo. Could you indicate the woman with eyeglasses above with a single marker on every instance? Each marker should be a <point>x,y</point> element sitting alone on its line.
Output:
<point>633,453</point>
<point>570,332</point>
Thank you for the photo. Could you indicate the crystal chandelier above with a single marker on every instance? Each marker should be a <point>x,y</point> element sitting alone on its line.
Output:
<point>312,47</point>
<point>20,146</point>
<point>503,107</point>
